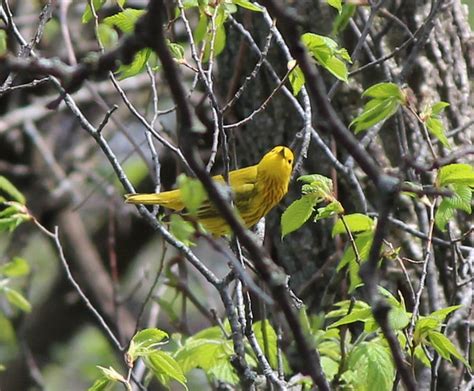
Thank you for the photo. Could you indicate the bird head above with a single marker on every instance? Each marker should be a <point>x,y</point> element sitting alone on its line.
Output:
<point>277,163</point>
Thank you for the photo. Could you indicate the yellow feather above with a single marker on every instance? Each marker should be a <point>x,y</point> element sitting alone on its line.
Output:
<point>257,189</point>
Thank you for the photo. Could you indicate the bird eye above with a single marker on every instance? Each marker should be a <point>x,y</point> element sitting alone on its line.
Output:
<point>289,161</point>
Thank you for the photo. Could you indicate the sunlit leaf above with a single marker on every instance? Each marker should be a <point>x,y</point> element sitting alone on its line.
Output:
<point>248,5</point>
<point>356,222</point>
<point>17,267</point>
<point>8,188</point>
<point>125,20</point>
<point>297,214</point>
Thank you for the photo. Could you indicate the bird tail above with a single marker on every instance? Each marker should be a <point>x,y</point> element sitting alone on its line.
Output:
<point>168,199</point>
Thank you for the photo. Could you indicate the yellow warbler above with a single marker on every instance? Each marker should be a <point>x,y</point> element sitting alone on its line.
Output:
<point>257,189</point>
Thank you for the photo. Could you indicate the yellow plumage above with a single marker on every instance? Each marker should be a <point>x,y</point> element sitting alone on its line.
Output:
<point>257,189</point>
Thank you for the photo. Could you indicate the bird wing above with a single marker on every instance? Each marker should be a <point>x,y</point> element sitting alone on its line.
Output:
<point>243,188</point>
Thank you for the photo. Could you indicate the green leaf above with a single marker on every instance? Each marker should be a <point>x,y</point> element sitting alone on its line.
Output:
<point>297,80</point>
<point>297,214</point>
<point>101,384</point>
<point>202,353</point>
<point>7,187</point>
<point>421,355</point>
<point>136,66</point>
<point>461,199</point>
<point>457,173</point>
<point>149,337</point>
<point>145,342</point>
<point>334,65</point>
<point>363,243</point>
<point>444,312</point>
<point>165,368</point>
<point>201,29</point>
<point>3,42</point>
<point>192,193</point>
<point>124,20</point>
<point>219,42</point>
<point>337,4</point>
<point>424,325</point>
<point>357,315</point>
<point>87,15</point>
<point>17,299</point>
<point>445,347</point>
<point>182,230</point>
<point>318,184</point>
<point>17,267</point>
<point>444,213</point>
<point>437,108</point>
<point>330,367</point>
<point>327,53</point>
<point>375,111</point>
<point>356,222</point>
<point>107,35</point>
<point>224,372</point>
<point>329,210</point>
<point>372,365</point>
<point>383,91</point>
<point>342,20</point>
<point>248,5</point>
<point>266,337</point>
<point>111,374</point>
<point>436,128</point>
<point>176,50</point>
<point>10,223</point>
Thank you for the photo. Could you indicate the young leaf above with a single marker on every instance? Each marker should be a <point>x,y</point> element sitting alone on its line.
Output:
<point>296,78</point>
<point>436,128</point>
<point>423,326</point>
<point>330,367</point>
<point>136,66</point>
<point>224,372</point>
<point>438,107</point>
<point>248,5</point>
<point>342,20</point>
<point>165,368</point>
<point>337,4</point>
<point>87,15</point>
<point>384,90</point>
<point>10,223</point>
<point>329,210</point>
<point>7,187</point>
<point>111,374</point>
<point>145,342</point>
<point>125,20</point>
<point>461,199</point>
<point>3,42</point>
<point>372,364</point>
<point>17,267</point>
<point>375,111</point>
<point>327,53</point>
<point>356,222</point>
<point>361,315</point>
<point>267,339</point>
<point>297,214</point>
<point>445,347</point>
<point>17,299</point>
<point>363,243</point>
<point>456,173</point>
<point>101,384</point>
<point>181,229</point>
<point>444,312</point>
<point>444,213</point>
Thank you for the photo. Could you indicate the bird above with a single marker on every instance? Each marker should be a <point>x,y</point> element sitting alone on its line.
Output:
<point>256,190</point>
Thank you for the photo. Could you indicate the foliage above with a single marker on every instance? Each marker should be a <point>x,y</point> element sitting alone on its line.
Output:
<point>327,53</point>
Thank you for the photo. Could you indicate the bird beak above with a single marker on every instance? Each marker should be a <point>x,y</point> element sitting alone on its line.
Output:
<point>282,153</point>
